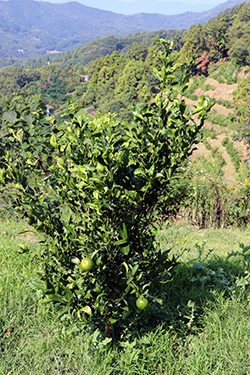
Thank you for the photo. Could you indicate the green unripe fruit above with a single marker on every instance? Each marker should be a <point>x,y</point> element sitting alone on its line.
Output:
<point>141,303</point>
<point>86,264</point>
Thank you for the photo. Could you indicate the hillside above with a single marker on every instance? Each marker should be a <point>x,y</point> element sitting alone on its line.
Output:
<point>29,28</point>
<point>220,124</point>
<point>119,76</point>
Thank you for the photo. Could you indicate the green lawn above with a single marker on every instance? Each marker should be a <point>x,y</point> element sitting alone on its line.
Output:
<point>206,330</point>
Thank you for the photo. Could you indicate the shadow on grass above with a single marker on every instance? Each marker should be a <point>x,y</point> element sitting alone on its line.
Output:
<point>193,287</point>
<point>179,300</point>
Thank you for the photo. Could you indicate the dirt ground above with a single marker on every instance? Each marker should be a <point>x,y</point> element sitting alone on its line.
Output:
<point>224,92</point>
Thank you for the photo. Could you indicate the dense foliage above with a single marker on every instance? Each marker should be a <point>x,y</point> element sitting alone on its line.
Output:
<point>120,67</point>
<point>117,82</point>
<point>96,187</point>
<point>223,37</point>
<point>100,47</point>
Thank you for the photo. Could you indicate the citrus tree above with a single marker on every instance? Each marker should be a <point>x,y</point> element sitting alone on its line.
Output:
<point>96,187</point>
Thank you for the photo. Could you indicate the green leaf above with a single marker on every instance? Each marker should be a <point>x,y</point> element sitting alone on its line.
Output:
<point>96,180</point>
<point>29,119</point>
<point>37,284</point>
<point>86,309</point>
<point>135,268</point>
<point>120,141</point>
<point>121,242</point>
<point>185,79</point>
<point>140,172</point>
<point>80,114</point>
<point>53,141</point>
<point>10,116</point>
<point>126,266</point>
<point>112,320</point>
<point>97,133</point>
<point>61,162</point>
<point>53,298</point>
<point>151,170</point>
<point>126,250</point>
<point>123,232</point>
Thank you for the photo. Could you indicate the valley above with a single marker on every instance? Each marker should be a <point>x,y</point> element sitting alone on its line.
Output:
<point>29,28</point>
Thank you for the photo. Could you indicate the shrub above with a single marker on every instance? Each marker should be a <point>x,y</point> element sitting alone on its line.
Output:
<point>225,103</point>
<point>221,79</point>
<point>212,204</point>
<point>222,120</point>
<point>211,133</point>
<point>100,198</point>
<point>207,144</point>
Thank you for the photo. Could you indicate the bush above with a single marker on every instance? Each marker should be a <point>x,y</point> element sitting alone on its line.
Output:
<point>221,79</point>
<point>100,197</point>
<point>207,144</point>
<point>213,203</point>
<point>211,133</point>
<point>225,103</point>
<point>222,120</point>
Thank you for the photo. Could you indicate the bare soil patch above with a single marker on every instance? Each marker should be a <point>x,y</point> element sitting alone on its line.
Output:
<point>222,110</point>
<point>222,90</point>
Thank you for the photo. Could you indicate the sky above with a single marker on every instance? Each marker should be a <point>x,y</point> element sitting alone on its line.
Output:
<point>167,7</point>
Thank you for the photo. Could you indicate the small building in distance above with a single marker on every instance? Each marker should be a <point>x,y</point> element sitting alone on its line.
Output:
<point>84,78</point>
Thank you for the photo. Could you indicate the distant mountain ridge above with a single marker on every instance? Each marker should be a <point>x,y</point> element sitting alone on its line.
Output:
<point>29,28</point>
<point>145,6</point>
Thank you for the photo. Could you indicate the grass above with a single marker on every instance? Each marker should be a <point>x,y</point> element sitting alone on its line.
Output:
<point>180,235</point>
<point>207,330</point>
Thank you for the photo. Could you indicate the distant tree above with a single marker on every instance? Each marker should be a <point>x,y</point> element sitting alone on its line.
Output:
<point>178,40</point>
<point>137,52</point>
<point>132,77</point>
<point>239,52</point>
<point>216,37</point>
<point>16,79</point>
<point>152,58</point>
<point>82,70</point>
<point>243,14</point>
<point>194,45</point>
<point>239,36</point>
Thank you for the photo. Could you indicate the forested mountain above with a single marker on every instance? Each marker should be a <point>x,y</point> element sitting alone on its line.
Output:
<point>100,47</point>
<point>120,69</point>
<point>30,28</point>
<point>112,75</point>
<point>224,37</point>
